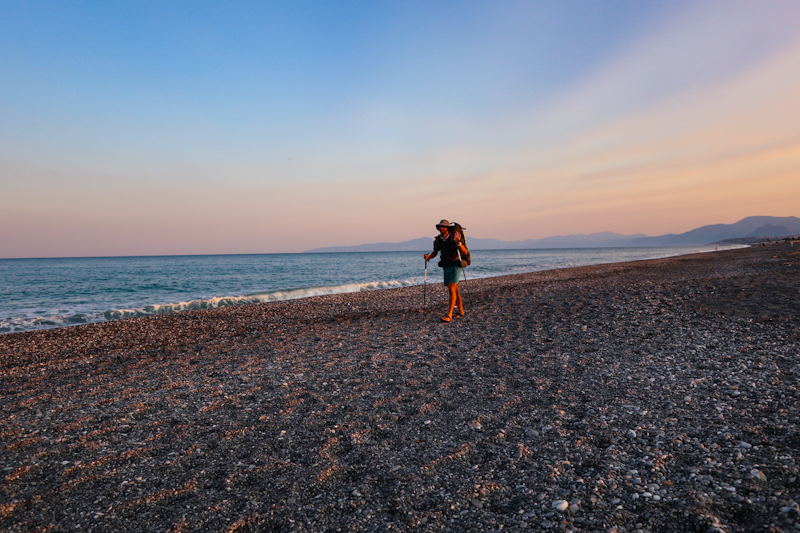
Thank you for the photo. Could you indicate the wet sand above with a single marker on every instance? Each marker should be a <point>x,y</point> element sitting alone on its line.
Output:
<point>655,395</point>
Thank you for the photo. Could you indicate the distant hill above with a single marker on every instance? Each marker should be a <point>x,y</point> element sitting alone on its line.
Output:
<point>421,244</point>
<point>747,227</point>
<point>750,228</point>
<point>604,239</point>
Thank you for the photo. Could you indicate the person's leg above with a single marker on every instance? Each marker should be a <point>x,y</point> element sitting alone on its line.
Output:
<point>452,289</point>
<point>451,277</point>
<point>459,301</point>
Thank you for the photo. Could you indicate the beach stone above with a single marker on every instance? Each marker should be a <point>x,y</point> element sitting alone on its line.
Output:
<point>348,419</point>
<point>560,505</point>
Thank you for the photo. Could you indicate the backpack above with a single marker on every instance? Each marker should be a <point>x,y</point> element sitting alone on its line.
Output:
<point>467,259</point>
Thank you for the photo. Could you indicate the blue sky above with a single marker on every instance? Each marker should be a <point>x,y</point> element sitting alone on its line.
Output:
<point>135,128</point>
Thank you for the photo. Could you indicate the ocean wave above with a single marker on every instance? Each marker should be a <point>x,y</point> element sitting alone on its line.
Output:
<point>225,301</point>
<point>62,318</point>
<point>127,289</point>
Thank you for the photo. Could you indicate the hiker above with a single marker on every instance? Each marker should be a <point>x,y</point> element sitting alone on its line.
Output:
<point>450,242</point>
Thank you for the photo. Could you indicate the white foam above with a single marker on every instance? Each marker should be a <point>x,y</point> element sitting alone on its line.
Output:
<point>273,296</point>
<point>70,317</point>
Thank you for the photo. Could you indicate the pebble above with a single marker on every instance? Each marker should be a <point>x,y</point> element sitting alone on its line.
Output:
<point>560,505</point>
<point>639,407</point>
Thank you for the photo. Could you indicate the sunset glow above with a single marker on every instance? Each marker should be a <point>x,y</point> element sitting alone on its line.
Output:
<point>138,129</point>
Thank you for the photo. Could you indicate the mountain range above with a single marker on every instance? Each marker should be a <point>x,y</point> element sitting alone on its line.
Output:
<point>750,228</point>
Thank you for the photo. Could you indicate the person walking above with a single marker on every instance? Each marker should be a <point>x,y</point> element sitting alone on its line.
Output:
<point>449,243</point>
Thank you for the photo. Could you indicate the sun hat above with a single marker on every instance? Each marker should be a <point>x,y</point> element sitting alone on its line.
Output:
<point>443,222</point>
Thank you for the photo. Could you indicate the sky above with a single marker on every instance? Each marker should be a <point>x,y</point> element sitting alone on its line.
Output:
<point>198,127</point>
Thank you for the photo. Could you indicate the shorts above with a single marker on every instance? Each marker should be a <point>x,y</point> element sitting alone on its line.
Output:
<point>451,275</point>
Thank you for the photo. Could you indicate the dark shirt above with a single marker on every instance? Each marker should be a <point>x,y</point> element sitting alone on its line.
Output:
<point>448,249</point>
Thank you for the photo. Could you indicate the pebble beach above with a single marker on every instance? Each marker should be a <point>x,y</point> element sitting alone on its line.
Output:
<point>657,395</point>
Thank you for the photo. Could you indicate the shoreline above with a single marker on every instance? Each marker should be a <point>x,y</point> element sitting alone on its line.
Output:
<point>656,394</point>
<point>104,308</point>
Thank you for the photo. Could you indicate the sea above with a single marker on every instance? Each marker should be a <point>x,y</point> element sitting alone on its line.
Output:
<point>50,293</point>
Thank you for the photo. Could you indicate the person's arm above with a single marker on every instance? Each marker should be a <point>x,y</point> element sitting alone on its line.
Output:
<point>431,255</point>
<point>460,244</point>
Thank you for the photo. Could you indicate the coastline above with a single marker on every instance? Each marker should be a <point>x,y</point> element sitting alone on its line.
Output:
<point>656,395</point>
<point>48,293</point>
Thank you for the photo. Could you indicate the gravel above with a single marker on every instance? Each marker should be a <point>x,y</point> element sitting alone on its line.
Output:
<point>650,396</point>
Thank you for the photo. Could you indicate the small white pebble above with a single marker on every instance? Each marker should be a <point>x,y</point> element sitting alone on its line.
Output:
<point>560,505</point>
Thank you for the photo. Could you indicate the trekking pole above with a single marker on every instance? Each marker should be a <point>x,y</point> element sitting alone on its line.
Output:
<point>463,268</point>
<point>460,259</point>
<point>425,289</point>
